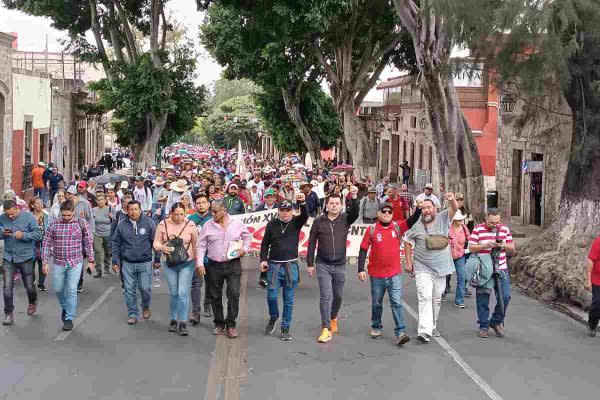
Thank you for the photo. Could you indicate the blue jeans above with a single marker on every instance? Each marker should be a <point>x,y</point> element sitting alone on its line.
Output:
<point>459,265</point>
<point>393,286</point>
<point>179,279</point>
<point>64,283</point>
<point>137,276</point>
<point>281,281</point>
<point>483,303</point>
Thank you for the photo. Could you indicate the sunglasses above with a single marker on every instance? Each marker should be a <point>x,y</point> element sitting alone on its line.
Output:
<point>387,211</point>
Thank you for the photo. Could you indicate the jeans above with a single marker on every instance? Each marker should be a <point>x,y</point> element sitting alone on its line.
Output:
<point>429,291</point>
<point>217,274</point>
<point>64,283</point>
<point>594,313</point>
<point>331,280</point>
<point>197,294</point>
<point>26,270</point>
<point>482,299</point>
<point>137,276</point>
<point>102,252</point>
<point>405,179</point>
<point>459,265</point>
<point>393,286</point>
<point>281,281</point>
<point>179,279</point>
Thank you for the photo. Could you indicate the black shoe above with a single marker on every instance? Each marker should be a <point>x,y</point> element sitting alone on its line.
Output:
<point>79,288</point>
<point>97,274</point>
<point>444,297</point>
<point>68,325</point>
<point>591,332</point>
<point>423,338</point>
<point>270,328</point>
<point>107,271</point>
<point>207,312</point>
<point>173,326</point>
<point>286,335</point>
<point>183,329</point>
<point>41,287</point>
<point>263,283</point>
<point>195,318</point>
<point>63,315</point>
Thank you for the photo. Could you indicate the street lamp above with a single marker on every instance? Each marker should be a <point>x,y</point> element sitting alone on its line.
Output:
<point>508,103</point>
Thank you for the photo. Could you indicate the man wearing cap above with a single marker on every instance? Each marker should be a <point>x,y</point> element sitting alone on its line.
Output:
<point>428,195</point>
<point>82,191</point>
<point>312,201</point>
<point>385,270</point>
<point>431,262</point>
<point>83,210</point>
<point>143,195</point>
<point>122,187</point>
<point>369,206</point>
<point>37,179</point>
<point>235,205</point>
<point>279,258</point>
<point>158,193</point>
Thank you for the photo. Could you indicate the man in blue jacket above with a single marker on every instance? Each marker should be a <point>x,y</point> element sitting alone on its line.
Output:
<point>20,231</point>
<point>132,248</point>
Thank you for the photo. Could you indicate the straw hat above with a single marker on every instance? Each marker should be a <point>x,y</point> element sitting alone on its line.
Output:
<point>180,186</point>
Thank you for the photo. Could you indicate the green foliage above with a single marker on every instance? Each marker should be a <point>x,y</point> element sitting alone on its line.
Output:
<point>231,121</point>
<point>226,89</point>
<point>316,109</point>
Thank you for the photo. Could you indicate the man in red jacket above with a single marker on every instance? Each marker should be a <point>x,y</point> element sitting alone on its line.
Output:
<point>385,271</point>
<point>398,203</point>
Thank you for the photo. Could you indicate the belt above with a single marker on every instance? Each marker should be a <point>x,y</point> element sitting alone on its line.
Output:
<point>210,260</point>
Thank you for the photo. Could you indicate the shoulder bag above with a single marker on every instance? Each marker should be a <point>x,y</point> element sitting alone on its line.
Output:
<point>435,242</point>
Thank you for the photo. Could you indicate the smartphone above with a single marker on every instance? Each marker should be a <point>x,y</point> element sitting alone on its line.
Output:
<point>7,232</point>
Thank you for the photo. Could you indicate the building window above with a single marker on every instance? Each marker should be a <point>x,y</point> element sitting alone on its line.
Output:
<point>421,156</point>
<point>28,142</point>
<point>395,125</point>
<point>404,155</point>
<point>430,162</point>
<point>413,122</point>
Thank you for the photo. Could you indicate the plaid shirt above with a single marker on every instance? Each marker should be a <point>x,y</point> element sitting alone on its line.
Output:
<point>65,242</point>
<point>408,197</point>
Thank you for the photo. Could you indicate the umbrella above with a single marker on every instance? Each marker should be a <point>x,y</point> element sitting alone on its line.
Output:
<point>182,151</point>
<point>343,168</point>
<point>110,178</point>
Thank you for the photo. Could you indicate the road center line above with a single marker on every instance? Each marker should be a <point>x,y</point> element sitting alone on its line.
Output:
<point>460,361</point>
<point>63,335</point>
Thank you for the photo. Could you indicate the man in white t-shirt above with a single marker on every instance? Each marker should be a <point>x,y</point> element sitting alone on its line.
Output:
<point>428,195</point>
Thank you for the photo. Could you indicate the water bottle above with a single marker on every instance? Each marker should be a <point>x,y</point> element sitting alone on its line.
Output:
<point>157,278</point>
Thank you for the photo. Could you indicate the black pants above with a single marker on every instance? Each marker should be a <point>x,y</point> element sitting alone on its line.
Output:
<point>197,293</point>
<point>26,270</point>
<point>41,276</point>
<point>594,313</point>
<point>216,274</point>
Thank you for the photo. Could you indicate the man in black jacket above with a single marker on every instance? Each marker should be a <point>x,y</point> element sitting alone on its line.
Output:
<point>279,258</point>
<point>330,230</point>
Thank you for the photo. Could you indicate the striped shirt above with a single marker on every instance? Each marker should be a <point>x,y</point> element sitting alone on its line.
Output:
<point>65,242</point>
<point>482,234</point>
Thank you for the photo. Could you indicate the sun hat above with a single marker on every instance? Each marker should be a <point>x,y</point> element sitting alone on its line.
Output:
<point>180,186</point>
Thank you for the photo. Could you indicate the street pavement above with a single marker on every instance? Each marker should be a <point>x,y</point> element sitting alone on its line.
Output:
<point>544,355</point>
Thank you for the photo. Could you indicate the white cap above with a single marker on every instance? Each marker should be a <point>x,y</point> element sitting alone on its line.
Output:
<point>72,189</point>
<point>124,185</point>
<point>459,216</point>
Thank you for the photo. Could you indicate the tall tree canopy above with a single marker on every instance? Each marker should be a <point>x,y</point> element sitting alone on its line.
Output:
<point>166,77</point>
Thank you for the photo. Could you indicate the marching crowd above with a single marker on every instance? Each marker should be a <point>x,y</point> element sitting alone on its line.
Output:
<point>180,219</point>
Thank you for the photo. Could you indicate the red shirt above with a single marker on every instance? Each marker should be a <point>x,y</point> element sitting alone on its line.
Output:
<point>595,257</point>
<point>384,258</point>
<point>398,205</point>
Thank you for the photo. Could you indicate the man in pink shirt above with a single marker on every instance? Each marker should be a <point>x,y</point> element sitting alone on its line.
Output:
<point>216,239</point>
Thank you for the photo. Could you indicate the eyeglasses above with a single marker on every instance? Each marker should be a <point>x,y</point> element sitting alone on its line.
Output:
<point>387,211</point>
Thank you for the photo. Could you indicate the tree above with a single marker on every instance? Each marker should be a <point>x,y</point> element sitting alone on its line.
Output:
<point>316,110</point>
<point>234,120</point>
<point>226,89</point>
<point>256,40</point>
<point>434,28</point>
<point>113,24</point>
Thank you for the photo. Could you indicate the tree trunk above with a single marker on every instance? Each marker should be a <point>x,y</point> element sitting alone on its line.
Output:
<point>313,144</point>
<point>357,141</point>
<point>145,151</point>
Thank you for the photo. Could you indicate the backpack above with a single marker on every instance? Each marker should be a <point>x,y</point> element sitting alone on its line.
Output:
<point>179,255</point>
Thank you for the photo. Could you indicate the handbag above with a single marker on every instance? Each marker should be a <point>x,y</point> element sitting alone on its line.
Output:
<point>435,242</point>
<point>179,255</point>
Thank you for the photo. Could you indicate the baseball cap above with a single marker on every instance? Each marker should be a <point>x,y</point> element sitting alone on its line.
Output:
<point>124,185</point>
<point>233,185</point>
<point>386,205</point>
<point>429,186</point>
<point>372,189</point>
<point>82,184</point>
<point>269,192</point>
<point>286,204</point>
<point>72,190</point>
<point>139,178</point>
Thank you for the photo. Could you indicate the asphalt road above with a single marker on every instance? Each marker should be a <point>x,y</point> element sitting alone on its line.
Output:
<point>544,355</point>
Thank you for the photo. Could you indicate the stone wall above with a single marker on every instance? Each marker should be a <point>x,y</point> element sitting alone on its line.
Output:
<point>6,111</point>
<point>63,132</point>
<point>540,126</point>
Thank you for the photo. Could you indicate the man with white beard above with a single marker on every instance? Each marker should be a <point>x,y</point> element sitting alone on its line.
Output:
<point>431,262</point>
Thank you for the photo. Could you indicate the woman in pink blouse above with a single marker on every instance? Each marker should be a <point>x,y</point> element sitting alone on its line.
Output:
<point>459,237</point>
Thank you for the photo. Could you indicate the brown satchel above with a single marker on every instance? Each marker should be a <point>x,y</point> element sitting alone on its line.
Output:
<point>435,242</point>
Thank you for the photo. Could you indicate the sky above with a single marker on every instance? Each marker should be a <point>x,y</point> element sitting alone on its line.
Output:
<point>32,33</point>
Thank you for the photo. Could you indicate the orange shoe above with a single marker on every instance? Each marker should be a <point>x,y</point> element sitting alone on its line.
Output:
<point>334,327</point>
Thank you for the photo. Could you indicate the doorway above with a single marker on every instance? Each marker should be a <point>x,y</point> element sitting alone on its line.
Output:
<point>385,151</point>
<point>537,194</point>
<point>515,196</point>
<point>395,156</point>
<point>43,147</point>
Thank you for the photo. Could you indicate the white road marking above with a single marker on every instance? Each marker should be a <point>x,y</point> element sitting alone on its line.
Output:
<point>460,361</point>
<point>63,335</point>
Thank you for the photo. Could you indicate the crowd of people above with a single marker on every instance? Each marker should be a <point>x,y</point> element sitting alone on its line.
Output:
<point>178,218</point>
